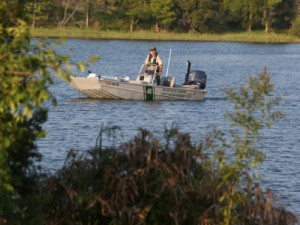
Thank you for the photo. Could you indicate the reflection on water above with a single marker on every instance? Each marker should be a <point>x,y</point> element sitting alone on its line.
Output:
<point>76,122</point>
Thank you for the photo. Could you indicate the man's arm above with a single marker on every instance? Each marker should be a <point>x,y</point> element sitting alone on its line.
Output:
<point>146,60</point>
<point>160,65</point>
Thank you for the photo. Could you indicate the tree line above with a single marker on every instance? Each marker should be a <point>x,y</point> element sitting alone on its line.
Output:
<point>198,16</point>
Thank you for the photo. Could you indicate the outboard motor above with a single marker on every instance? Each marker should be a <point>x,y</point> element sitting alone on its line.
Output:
<point>197,77</point>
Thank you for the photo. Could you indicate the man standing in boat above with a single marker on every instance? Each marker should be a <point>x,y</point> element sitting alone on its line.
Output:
<point>154,58</point>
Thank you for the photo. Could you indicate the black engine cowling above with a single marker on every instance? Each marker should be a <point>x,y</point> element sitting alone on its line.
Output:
<point>197,77</point>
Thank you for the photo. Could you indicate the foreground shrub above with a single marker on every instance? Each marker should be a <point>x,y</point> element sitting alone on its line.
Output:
<point>26,71</point>
<point>147,181</point>
<point>24,80</point>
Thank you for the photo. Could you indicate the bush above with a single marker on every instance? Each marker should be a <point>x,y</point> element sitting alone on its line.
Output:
<point>26,70</point>
<point>295,28</point>
<point>143,182</point>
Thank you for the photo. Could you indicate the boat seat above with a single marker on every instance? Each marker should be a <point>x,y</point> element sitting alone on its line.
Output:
<point>145,78</point>
<point>167,81</point>
<point>149,72</point>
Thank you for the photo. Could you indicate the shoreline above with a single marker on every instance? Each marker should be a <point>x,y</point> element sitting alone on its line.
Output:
<point>247,37</point>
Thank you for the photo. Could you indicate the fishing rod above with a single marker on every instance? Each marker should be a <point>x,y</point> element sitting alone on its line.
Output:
<point>169,62</point>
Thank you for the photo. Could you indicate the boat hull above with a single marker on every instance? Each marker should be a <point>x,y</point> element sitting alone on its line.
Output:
<point>116,89</point>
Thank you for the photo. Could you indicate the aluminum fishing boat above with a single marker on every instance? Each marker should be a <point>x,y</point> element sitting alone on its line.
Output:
<point>144,87</point>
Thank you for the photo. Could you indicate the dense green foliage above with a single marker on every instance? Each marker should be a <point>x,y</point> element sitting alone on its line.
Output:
<point>25,75</point>
<point>295,30</point>
<point>197,16</point>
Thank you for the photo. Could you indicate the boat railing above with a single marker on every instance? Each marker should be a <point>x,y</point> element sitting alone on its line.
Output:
<point>148,71</point>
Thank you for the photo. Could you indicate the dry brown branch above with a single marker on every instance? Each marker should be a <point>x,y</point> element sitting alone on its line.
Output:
<point>18,73</point>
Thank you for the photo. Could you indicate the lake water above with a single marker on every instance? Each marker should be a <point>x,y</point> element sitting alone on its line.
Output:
<point>77,120</point>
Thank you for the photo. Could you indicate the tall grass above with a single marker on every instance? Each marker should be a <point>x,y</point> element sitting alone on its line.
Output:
<point>163,36</point>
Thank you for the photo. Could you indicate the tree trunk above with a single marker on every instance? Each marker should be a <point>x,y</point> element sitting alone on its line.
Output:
<point>250,23</point>
<point>63,22</point>
<point>157,27</point>
<point>131,25</point>
<point>267,27</point>
<point>33,14</point>
<point>88,15</point>
<point>266,19</point>
<point>66,17</point>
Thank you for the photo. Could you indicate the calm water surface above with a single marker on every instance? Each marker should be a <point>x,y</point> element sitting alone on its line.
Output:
<point>76,122</point>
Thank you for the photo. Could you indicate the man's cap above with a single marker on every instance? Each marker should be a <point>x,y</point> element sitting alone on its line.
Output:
<point>152,49</point>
